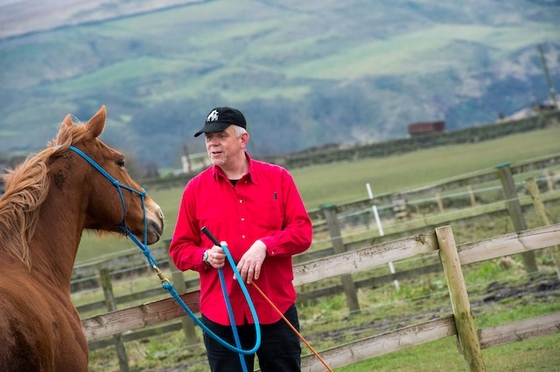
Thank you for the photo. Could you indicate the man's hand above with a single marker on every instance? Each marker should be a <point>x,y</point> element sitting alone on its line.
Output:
<point>216,256</point>
<point>250,264</point>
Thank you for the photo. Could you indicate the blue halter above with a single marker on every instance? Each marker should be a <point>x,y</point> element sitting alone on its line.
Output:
<point>117,184</point>
<point>166,284</point>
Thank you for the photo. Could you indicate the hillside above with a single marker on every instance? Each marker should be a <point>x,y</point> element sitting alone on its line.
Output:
<point>23,17</point>
<point>305,73</point>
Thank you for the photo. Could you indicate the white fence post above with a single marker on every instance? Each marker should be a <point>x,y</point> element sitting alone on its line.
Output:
<point>380,228</point>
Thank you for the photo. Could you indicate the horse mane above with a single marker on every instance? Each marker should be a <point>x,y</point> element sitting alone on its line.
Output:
<point>26,188</point>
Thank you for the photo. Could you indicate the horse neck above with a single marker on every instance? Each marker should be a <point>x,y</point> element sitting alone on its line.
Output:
<point>57,237</point>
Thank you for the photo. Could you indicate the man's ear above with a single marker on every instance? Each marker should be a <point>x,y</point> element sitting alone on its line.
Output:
<point>244,140</point>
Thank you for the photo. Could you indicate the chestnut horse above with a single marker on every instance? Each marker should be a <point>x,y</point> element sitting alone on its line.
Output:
<point>72,185</point>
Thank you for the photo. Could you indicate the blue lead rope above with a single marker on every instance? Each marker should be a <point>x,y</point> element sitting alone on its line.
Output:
<point>238,347</point>
<point>226,297</point>
<point>166,284</point>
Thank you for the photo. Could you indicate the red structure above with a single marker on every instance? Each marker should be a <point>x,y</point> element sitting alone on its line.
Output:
<point>426,127</point>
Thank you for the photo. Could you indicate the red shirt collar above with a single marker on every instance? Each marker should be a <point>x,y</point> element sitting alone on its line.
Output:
<point>251,175</point>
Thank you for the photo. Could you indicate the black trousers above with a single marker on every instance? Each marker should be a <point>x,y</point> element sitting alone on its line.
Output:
<point>280,349</point>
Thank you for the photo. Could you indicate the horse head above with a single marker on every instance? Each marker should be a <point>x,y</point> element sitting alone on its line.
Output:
<point>126,207</point>
<point>77,183</point>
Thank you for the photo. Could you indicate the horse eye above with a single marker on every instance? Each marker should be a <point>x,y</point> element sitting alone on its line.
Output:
<point>120,163</point>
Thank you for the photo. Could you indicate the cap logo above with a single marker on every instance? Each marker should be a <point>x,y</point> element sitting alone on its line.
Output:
<point>213,116</point>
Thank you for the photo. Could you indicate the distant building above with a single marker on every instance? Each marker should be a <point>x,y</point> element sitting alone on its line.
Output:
<point>193,162</point>
<point>426,127</point>
<point>544,107</point>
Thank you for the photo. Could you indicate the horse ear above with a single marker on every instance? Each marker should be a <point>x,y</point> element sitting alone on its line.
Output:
<point>67,122</point>
<point>96,124</point>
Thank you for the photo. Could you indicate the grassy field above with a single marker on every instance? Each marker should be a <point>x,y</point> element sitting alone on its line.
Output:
<point>326,322</point>
<point>345,181</point>
<point>442,356</point>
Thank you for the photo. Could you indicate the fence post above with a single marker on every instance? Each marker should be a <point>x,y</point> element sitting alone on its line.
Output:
<point>381,233</point>
<point>400,210</point>
<point>515,212</point>
<point>181,287</point>
<point>469,343</point>
<point>105,281</point>
<point>549,181</point>
<point>375,213</point>
<point>439,203</point>
<point>186,321</point>
<point>472,197</point>
<point>338,245</point>
<point>541,214</point>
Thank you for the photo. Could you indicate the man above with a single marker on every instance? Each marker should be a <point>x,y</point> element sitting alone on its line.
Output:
<point>255,209</point>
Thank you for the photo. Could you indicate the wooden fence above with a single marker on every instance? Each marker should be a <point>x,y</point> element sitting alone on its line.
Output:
<point>459,323</point>
<point>465,181</point>
<point>348,260</point>
<point>402,229</point>
<point>86,276</point>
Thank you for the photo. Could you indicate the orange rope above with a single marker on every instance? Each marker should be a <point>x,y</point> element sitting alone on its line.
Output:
<point>293,328</point>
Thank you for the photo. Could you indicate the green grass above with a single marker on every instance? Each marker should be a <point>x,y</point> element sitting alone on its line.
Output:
<point>345,181</point>
<point>127,71</point>
<point>402,53</point>
<point>442,356</point>
<point>326,322</point>
<point>420,300</point>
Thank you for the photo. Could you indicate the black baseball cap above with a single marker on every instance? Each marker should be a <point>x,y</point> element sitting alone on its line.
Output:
<point>220,118</point>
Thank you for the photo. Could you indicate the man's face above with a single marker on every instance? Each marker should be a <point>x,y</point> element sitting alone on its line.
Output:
<point>223,146</point>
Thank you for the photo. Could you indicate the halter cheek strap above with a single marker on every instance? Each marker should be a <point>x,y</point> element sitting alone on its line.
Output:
<point>119,187</point>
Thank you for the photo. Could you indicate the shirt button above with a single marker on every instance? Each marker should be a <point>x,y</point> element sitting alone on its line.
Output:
<point>240,200</point>
<point>242,219</point>
<point>243,236</point>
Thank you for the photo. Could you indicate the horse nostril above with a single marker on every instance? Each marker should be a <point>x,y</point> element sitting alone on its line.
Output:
<point>157,227</point>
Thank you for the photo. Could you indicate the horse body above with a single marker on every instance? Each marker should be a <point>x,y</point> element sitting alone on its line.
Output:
<point>40,330</point>
<point>48,202</point>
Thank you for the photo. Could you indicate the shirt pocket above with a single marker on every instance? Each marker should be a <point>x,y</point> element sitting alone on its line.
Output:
<point>269,216</point>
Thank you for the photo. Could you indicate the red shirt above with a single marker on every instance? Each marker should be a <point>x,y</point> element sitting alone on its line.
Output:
<point>264,204</point>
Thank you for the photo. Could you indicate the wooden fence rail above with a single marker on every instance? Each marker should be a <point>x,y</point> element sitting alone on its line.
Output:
<point>385,253</point>
<point>367,240</point>
<point>432,330</point>
<point>84,276</point>
<point>474,178</point>
<point>138,266</point>
<point>366,259</point>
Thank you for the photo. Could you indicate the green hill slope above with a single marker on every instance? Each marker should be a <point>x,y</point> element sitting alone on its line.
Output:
<point>305,73</point>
